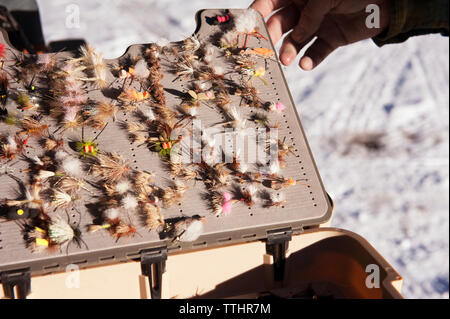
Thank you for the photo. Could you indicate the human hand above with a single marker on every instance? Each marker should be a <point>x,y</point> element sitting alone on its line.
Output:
<point>335,23</point>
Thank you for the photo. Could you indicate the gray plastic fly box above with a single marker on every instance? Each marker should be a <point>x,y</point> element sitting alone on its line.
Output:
<point>304,207</point>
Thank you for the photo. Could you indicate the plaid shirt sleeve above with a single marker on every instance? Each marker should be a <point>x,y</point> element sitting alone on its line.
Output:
<point>415,17</point>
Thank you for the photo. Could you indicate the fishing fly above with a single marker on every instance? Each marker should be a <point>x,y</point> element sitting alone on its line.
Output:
<point>183,228</point>
<point>4,85</point>
<point>29,205</point>
<point>87,148</point>
<point>278,183</point>
<point>12,146</point>
<point>114,224</point>
<point>50,233</point>
<point>225,17</point>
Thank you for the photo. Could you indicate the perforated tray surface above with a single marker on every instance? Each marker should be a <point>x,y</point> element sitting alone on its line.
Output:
<point>304,206</point>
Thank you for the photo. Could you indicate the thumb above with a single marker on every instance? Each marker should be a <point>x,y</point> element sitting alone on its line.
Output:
<point>311,18</point>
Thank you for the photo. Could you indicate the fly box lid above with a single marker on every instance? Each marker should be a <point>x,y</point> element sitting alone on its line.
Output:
<point>88,145</point>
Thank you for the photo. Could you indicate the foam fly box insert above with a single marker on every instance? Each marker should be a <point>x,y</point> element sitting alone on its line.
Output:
<point>86,144</point>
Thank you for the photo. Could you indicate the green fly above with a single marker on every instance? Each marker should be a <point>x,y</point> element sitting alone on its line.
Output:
<point>87,148</point>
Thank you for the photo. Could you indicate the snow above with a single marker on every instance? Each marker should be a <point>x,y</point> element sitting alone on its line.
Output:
<point>394,193</point>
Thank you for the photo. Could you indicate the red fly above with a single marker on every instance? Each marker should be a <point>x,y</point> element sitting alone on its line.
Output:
<point>2,50</point>
<point>219,19</point>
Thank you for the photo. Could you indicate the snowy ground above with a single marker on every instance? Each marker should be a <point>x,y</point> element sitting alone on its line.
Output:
<point>394,100</point>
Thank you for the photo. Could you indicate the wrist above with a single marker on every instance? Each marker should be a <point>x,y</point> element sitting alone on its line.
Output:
<point>385,15</point>
<point>414,17</point>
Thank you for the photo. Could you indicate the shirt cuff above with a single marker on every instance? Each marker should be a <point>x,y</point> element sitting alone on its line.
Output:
<point>398,14</point>
<point>414,17</point>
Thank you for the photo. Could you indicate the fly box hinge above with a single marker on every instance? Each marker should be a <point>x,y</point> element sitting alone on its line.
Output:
<point>153,265</point>
<point>277,244</point>
<point>19,279</point>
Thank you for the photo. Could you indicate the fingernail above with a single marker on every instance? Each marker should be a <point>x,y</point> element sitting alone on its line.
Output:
<point>286,59</point>
<point>286,56</point>
<point>306,63</point>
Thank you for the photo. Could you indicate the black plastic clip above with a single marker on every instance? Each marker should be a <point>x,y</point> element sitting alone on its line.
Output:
<point>153,265</point>
<point>277,244</point>
<point>16,278</point>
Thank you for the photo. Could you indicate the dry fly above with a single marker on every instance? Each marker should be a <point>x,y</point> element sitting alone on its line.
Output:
<point>237,121</point>
<point>174,194</point>
<point>194,98</point>
<point>275,200</point>
<point>25,102</point>
<point>191,44</point>
<point>121,229</point>
<point>260,52</point>
<point>51,143</point>
<point>133,96</point>
<point>101,113</point>
<point>32,127</point>
<point>134,127</point>
<point>70,184</point>
<point>167,114</point>
<point>39,167</point>
<point>93,63</point>
<point>152,54</point>
<point>215,176</point>
<point>110,167</point>
<point>61,199</point>
<point>179,170</point>
<point>116,227</point>
<point>142,182</point>
<point>281,182</point>
<point>120,188</point>
<point>29,205</point>
<point>151,196</point>
<point>51,233</point>
<point>186,229</point>
<point>249,95</point>
<point>210,74</point>
<point>11,146</point>
<point>219,203</point>
<point>245,194</point>
<point>260,119</point>
<point>284,149</point>
<point>244,63</point>
<point>153,217</point>
<point>222,99</point>
<point>183,68</point>
<point>247,177</point>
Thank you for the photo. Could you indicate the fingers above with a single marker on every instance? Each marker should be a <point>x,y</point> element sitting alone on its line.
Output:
<point>311,18</point>
<point>311,14</point>
<point>282,21</point>
<point>322,47</point>
<point>290,49</point>
<point>266,7</point>
<point>331,36</point>
<point>316,53</point>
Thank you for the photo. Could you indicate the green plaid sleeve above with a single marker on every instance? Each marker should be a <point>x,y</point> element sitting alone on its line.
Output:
<point>415,17</point>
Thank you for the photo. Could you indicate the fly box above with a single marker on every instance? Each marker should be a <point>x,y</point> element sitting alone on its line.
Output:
<point>171,148</point>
